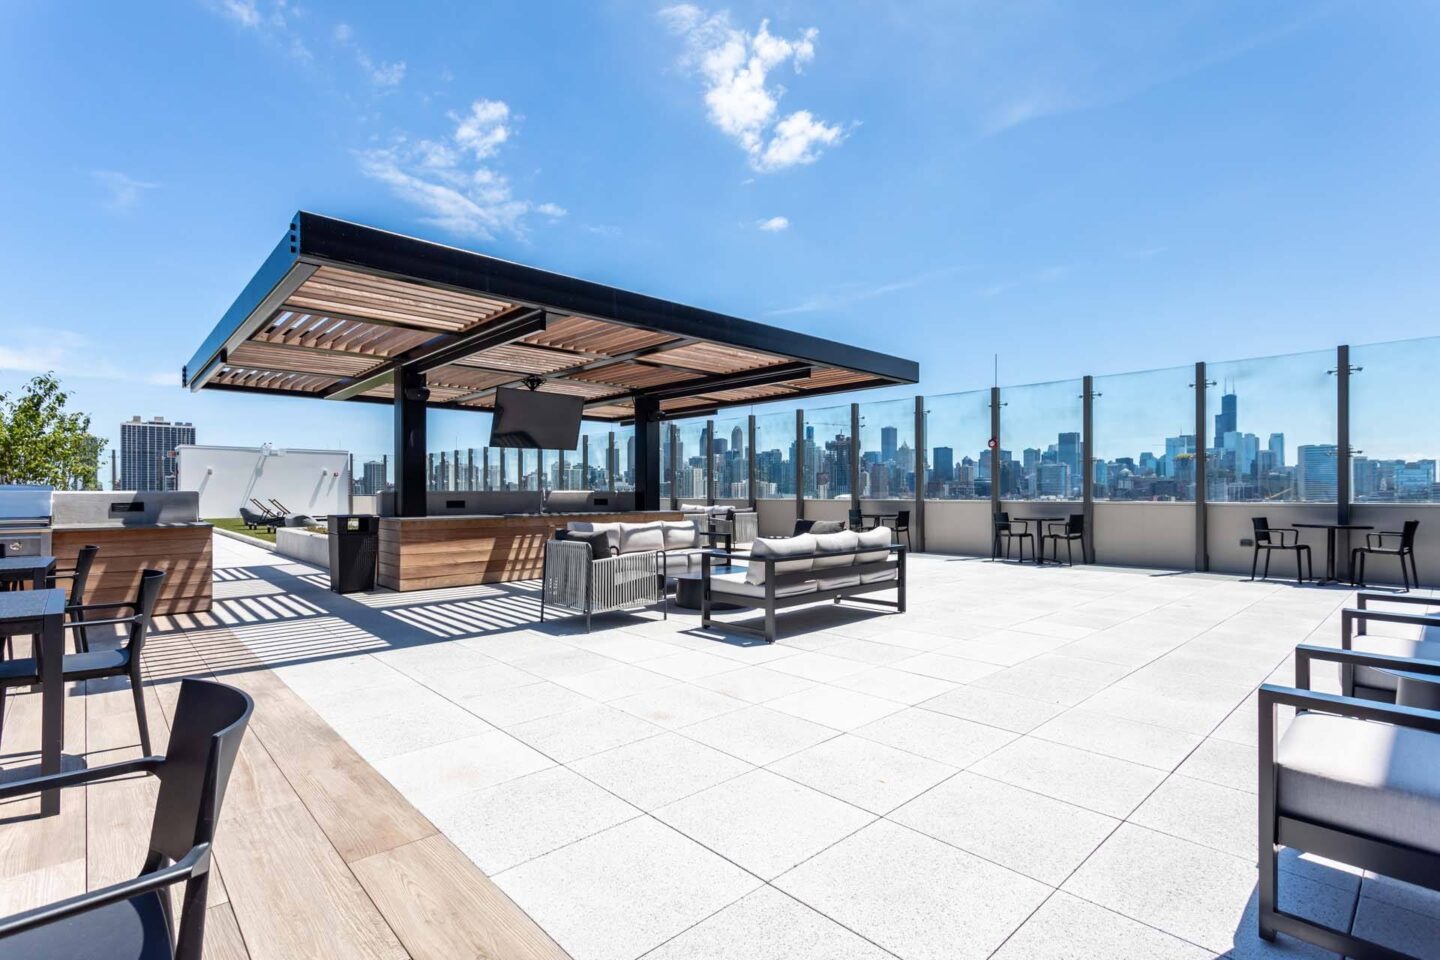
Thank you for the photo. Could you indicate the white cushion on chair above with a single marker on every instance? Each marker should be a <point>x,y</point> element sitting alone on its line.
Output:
<point>875,537</point>
<point>640,537</point>
<point>1369,778</point>
<point>737,583</point>
<point>787,546</point>
<point>839,580</point>
<point>879,575</point>
<point>1426,648</point>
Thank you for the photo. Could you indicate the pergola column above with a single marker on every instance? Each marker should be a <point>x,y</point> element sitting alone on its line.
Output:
<point>411,395</point>
<point>647,453</point>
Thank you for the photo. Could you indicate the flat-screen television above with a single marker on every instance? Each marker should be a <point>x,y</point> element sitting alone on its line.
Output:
<point>536,420</point>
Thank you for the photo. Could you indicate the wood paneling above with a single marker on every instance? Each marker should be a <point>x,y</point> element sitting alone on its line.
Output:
<point>418,554</point>
<point>184,552</point>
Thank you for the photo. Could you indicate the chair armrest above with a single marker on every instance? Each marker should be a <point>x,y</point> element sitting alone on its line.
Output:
<point>75,778</point>
<point>87,624</point>
<point>196,862</point>
<point>1282,531</point>
<point>1350,616</point>
<point>1272,696</point>
<point>1365,597</point>
<point>119,605</point>
<point>1307,652</point>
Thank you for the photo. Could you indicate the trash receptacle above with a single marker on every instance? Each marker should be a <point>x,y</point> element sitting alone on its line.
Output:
<point>354,545</point>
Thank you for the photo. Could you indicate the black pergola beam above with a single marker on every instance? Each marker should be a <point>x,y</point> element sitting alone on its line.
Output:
<point>725,381</point>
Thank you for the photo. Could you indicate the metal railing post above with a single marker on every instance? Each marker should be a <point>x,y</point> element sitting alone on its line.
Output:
<point>921,472</point>
<point>674,465</point>
<point>1202,446</point>
<point>799,464</point>
<point>995,471</point>
<point>855,456</point>
<point>612,462</point>
<point>1087,465</point>
<point>751,477</point>
<point>709,462</point>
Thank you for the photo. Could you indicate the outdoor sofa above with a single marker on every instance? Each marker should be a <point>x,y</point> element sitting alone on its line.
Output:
<point>1371,683</point>
<point>592,568</point>
<point>794,571</point>
<point>741,526</point>
<point>1351,780</point>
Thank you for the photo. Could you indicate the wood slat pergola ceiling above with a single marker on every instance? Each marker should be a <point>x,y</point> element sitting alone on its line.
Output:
<point>341,330</point>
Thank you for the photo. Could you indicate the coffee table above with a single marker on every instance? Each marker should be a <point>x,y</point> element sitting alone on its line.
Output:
<point>690,589</point>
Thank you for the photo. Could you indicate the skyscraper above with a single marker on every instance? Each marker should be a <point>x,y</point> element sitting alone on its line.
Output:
<point>889,443</point>
<point>147,452</point>
<point>1226,419</point>
<point>944,462</point>
<point>1315,476</point>
<point>737,439</point>
<point>1277,450</point>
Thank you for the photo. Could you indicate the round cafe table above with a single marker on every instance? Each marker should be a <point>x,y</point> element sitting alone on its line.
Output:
<point>1330,530</point>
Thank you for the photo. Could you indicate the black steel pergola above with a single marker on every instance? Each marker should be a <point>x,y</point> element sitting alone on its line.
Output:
<point>341,311</point>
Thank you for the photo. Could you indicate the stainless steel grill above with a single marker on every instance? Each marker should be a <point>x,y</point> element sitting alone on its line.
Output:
<point>24,519</point>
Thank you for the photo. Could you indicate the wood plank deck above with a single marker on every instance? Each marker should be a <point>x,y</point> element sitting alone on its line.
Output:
<point>317,854</point>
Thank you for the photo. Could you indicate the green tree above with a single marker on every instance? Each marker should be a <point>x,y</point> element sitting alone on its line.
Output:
<point>43,442</point>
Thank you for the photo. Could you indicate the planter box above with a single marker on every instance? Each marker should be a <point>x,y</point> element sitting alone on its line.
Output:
<point>303,545</point>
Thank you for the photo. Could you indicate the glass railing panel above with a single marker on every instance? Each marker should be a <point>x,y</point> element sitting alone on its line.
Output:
<point>828,452</point>
<point>624,463</point>
<point>1394,434</point>
<point>774,456</point>
<point>729,460</point>
<point>887,449</point>
<point>667,477</point>
<point>1271,429</point>
<point>597,470</point>
<point>957,433</point>
<point>1145,436</point>
<point>692,445</point>
<point>1040,452</point>
<point>370,474</point>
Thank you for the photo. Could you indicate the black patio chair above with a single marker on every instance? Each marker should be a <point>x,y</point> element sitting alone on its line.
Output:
<point>1375,544</point>
<point>123,661</point>
<point>1270,538</point>
<point>857,519</point>
<point>77,575</point>
<point>1005,529</point>
<point>902,525</point>
<point>1069,531</point>
<point>133,919</point>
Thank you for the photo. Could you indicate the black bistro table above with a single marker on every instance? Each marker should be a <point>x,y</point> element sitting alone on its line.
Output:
<point>42,613</point>
<point>19,569</point>
<point>1330,530</point>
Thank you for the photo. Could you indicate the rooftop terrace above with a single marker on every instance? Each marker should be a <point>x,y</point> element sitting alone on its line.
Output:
<point>1032,763</point>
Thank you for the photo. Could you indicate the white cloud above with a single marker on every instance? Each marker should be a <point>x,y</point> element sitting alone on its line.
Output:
<point>122,192</point>
<point>774,224</point>
<point>243,12</point>
<point>451,180</point>
<point>71,354</point>
<point>383,75</point>
<point>735,66</point>
<point>274,21</point>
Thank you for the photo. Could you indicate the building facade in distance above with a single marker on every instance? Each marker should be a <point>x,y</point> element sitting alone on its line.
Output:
<point>147,452</point>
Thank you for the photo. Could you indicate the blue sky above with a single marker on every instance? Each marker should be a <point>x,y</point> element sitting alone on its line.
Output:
<point>1077,187</point>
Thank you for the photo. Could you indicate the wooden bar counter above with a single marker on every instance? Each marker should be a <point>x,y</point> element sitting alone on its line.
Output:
<point>419,553</point>
<point>182,550</point>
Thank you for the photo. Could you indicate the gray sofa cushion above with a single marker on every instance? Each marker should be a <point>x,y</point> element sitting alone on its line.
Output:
<point>612,530</point>
<point>1370,778</point>
<point>738,584</point>
<point>788,546</point>
<point>681,535</point>
<point>640,537</point>
<point>877,537</point>
<point>877,575</point>
<point>843,543</point>
<point>821,527</point>
<point>1426,647</point>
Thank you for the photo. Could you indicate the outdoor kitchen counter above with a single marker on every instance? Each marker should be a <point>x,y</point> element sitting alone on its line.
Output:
<point>182,549</point>
<point>418,553</point>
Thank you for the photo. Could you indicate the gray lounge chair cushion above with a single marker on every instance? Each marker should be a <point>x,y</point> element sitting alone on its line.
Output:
<point>789,546</point>
<point>1426,647</point>
<point>844,543</point>
<point>1369,778</point>
<point>612,530</point>
<point>875,537</point>
<point>640,537</point>
<point>599,541</point>
<point>737,584</point>
<point>878,575</point>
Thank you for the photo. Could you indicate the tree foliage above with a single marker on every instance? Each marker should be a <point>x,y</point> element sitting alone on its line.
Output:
<point>43,442</point>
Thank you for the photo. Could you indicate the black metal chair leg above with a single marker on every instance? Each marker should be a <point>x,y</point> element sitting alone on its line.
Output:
<point>137,689</point>
<point>1070,552</point>
<point>1254,562</point>
<point>1266,574</point>
<point>1299,569</point>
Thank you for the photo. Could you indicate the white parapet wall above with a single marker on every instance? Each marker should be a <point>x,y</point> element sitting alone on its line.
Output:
<point>304,545</point>
<point>314,482</point>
